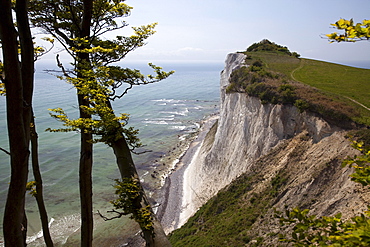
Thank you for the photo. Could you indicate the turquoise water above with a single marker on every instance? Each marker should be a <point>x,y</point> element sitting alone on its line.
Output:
<point>163,112</point>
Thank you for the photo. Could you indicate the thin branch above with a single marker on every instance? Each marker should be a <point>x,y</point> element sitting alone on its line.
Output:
<point>119,215</point>
<point>60,65</point>
<point>99,32</point>
<point>142,152</point>
<point>8,153</point>
<point>121,95</point>
<point>74,19</point>
<point>130,87</point>
<point>47,50</point>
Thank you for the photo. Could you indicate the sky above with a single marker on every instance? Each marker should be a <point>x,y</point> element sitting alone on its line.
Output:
<point>207,30</point>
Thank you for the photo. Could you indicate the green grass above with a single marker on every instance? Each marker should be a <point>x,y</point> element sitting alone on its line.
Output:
<point>225,220</point>
<point>275,61</point>
<point>334,78</point>
<point>329,77</point>
<point>337,85</point>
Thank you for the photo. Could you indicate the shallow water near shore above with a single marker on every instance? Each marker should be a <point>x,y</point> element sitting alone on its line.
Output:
<point>165,112</point>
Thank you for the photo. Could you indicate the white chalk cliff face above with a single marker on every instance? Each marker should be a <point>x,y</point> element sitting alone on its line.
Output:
<point>248,130</point>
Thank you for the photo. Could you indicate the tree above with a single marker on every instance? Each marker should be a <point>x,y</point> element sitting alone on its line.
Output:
<point>351,32</point>
<point>79,26</point>
<point>36,186</point>
<point>18,81</point>
<point>17,77</point>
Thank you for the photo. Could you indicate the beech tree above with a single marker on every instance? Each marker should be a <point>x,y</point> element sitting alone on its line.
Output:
<point>79,26</point>
<point>17,76</point>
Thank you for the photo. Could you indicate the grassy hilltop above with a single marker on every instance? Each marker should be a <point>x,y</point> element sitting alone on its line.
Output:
<point>275,75</point>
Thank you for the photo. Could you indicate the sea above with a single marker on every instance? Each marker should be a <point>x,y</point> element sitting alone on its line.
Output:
<point>165,112</point>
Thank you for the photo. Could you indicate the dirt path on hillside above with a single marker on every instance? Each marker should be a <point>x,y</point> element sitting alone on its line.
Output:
<point>301,64</point>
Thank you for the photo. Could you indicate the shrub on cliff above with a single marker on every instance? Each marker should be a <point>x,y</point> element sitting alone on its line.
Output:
<point>257,81</point>
<point>266,45</point>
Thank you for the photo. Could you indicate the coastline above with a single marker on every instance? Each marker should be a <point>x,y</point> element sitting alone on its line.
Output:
<point>164,184</point>
<point>171,211</point>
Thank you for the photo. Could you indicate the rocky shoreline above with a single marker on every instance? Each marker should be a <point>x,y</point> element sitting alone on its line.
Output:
<point>167,192</point>
<point>170,201</point>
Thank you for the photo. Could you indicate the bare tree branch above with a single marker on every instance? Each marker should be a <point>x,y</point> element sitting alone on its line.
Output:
<point>5,151</point>
<point>119,215</point>
<point>142,152</point>
<point>60,65</point>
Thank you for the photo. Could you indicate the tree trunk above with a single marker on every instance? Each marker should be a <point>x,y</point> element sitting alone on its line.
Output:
<point>85,175</point>
<point>86,155</point>
<point>27,72</point>
<point>127,169</point>
<point>39,188</point>
<point>86,189</point>
<point>15,222</point>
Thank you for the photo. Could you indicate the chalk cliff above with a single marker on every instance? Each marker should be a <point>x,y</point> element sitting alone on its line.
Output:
<point>252,137</point>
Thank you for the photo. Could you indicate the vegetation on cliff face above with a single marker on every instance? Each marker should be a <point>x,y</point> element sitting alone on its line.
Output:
<point>276,76</point>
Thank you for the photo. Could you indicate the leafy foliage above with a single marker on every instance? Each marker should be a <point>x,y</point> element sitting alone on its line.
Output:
<point>310,230</point>
<point>100,88</point>
<point>31,187</point>
<point>267,85</point>
<point>97,80</point>
<point>80,27</point>
<point>351,32</point>
<point>2,89</point>
<point>128,191</point>
<point>302,105</point>
<point>361,163</point>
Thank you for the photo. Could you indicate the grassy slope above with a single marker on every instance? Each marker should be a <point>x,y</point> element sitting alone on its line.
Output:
<point>333,79</point>
<point>226,218</point>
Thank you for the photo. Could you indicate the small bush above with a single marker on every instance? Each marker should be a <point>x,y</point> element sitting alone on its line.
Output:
<point>295,54</point>
<point>231,88</point>
<point>302,105</point>
<point>258,63</point>
<point>288,96</point>
<point>266,45</point>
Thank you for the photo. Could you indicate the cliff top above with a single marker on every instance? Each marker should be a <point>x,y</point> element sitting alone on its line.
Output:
<point>338,93</point>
